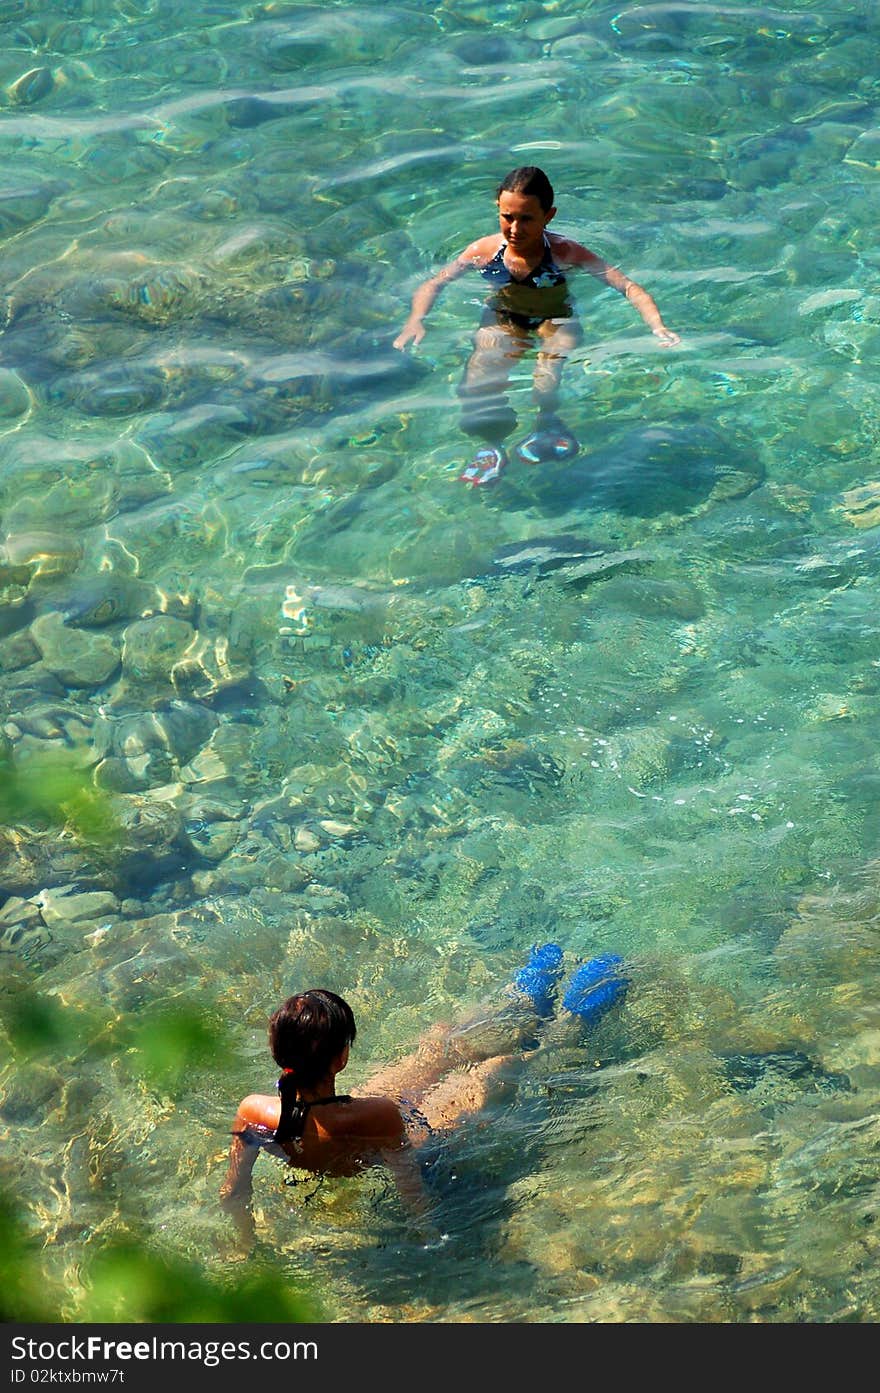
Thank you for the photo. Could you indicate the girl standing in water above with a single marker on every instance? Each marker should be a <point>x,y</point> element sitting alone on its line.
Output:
<point>526,268</point>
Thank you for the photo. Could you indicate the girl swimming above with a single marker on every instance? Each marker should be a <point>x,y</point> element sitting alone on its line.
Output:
<point>314,1128</point>
<point>526,268</point>
<point>449,1075</point>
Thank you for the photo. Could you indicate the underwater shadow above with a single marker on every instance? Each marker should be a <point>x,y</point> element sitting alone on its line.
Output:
<point>651,470</point>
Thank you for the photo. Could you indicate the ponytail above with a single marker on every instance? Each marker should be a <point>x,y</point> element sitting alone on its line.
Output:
<point>293,1114</point>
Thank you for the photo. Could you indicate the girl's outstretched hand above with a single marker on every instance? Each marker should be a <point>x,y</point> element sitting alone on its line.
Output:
<point>413,330</point>
<point>666,336</point>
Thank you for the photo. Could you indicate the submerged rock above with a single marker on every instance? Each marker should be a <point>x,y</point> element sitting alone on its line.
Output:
<point>22,204</point>
<point>149,846</point>
<point>93,602</point>
<point>151,647</point>
<point>67,904</point>
<point>654,471</point>
<point>22,929</point>
<point>33,553</point>
<point>786,1073</point>
<point>31,87</point>
<point>148,750</point>
<point>212,841</point>
<point>122,389</point>
<point>77,658</point>
<point>17,651</point>
<point>30,1094</point>
<point>15,398</point>
<point>161,293</point>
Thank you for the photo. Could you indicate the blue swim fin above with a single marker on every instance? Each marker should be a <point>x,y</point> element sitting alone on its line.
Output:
<point>595,987</point>
<point>539,976</point>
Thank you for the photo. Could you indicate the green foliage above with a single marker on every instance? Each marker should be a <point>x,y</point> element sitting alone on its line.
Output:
<point>40,1026</point>
<point>131,1278</point>
<point>52,791</point>
<point>168,1042</point>
<point>130,1283</point>
<point>128,1280</point>
<point>23,1292</point>
<point>162,1046</point>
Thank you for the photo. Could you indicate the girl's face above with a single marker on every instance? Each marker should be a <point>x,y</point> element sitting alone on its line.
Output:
<point>522,220</point>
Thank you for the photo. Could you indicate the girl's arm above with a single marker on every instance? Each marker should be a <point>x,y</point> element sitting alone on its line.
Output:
<point>403,1164</point>
<point>236,1192</point>
<point>576,255</point>
<point>425,295</point>
<point>401,1159</point>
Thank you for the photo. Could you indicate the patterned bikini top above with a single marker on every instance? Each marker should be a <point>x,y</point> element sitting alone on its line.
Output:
<point>545,274</point>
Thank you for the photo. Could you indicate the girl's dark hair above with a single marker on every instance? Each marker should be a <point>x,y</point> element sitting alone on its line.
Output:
<point>306,1034</point>
<point>308,1031</point>
<point>528,179</point>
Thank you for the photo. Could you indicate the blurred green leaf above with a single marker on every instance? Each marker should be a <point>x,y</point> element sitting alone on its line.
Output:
<point>129,1283</point>
<point>129,1280</point>
<point>42,1025</point>
<point>38,1024</point>
<point>53,791</point>
<point>163,1044</point>
<point>169,1041</point>
<point>24,1293</point>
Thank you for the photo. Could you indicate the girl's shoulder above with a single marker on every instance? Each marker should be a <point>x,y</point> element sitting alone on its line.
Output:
<point>374,1117</point>
<point>259,1110</point>
<point>481,251</point>
<point>571,253</point>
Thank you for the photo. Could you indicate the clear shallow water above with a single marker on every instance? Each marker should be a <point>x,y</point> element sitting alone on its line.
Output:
<point>242,585</point>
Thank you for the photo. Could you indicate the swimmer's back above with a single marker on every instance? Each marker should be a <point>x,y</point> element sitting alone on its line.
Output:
<point>340,1137</point>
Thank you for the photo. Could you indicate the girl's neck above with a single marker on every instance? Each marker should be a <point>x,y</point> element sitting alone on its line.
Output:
<point>326,1088</point>
<point>531,257</point>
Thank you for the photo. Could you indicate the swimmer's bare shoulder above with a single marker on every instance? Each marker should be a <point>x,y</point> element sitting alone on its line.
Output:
<point>480,252</point>
<point>257,1110</point>
<point>475,256</point>
<point>375,1118</point>
<point>567,252</point>
<point>378,1119</point>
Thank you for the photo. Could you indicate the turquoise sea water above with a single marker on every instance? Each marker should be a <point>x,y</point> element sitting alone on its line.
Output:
<point>244,591</point>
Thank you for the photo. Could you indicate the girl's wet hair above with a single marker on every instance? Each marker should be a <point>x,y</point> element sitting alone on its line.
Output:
<point>306,1034</point>
<point>528,179</point>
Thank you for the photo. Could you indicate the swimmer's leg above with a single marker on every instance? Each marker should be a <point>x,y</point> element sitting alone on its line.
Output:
<point>485,412</point>
<point>506,1031</point>
<point>559,338</point>
<point>551,439</point>
<point>462,1092</point>
<point>418,1071</point>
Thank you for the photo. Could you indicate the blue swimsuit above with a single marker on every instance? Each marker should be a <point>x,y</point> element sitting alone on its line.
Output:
<point>526,303</point>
